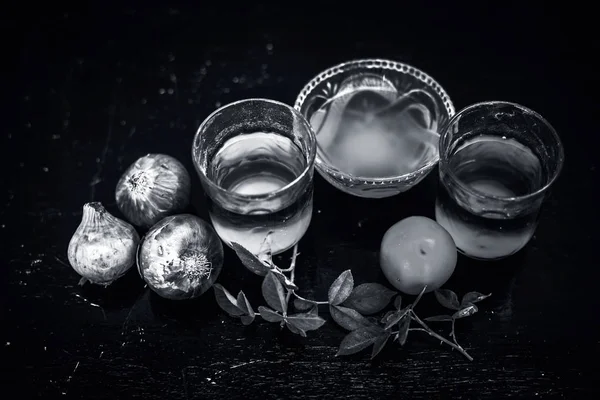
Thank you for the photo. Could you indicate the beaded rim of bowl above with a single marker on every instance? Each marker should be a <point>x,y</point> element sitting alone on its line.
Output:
<point>366,64</point>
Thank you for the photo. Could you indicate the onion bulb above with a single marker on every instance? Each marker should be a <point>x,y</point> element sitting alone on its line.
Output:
<point>180,257</point>
<point>103,247</point>
<point>153,187</point>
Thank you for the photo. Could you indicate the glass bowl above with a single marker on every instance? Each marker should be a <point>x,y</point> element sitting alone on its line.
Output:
<point>377,125</point>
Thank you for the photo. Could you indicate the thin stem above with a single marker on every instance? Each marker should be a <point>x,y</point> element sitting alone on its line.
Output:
<point>419,297</point>
<point>437,336</point>
<point>312,301</point>
<point>293,262</point>
<point>452,334</point>
<point>292,270</point>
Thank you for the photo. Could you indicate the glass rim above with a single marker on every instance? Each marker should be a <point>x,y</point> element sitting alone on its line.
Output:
<point>367,64</point>
<point>263,196</point>
<point>443,163</point>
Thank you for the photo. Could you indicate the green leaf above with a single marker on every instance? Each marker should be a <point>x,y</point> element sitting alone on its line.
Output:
<point>369,298</point>
<point>303,305</point>
<point>273,292</point>
<point>244,305</point>
<point>379,343</point>
<point>438,318</point>
<point>284,279</point>
<point>341,288</point>
<point>398,302</point>
<point>312,311</point>
<point>295,329</point>
<point>472,298</point>
<point>249,260</point>
<point>226,301</point>
<point>465,312</point>
<point>305,321</point>
<point>447,298</point>
<point>358,340</point>
<point>396,317</point>
<point>348,318</point>
<point>403,326</point>
<point>247,319</point>
<point>269,315</point>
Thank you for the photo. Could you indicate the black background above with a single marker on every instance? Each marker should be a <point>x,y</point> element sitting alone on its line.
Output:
<point>90,88</point>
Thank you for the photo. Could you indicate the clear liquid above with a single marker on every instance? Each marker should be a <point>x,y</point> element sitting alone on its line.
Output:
<point>254,164</point>
<point>369,129</point>
<point>493,166</point>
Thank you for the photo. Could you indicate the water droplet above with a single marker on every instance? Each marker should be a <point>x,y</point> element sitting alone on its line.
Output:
<point>45,169</point>
<point>171,57</point>
<point>269,47</point>
<point>218,104</point>
<point>123,122</point>
<point>170,91</point>
<point>28,125</point>
<point>173,78</point>
<point>144,101</point>
<point>161,91</point>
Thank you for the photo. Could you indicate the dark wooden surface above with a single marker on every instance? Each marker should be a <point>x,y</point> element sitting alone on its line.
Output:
<point>90,90</point>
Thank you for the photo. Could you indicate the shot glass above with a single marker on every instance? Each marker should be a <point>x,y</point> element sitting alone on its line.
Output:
<point>498,161</point>
<point>255,159</point>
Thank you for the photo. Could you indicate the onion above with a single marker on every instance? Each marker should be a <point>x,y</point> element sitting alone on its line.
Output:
<point>155,186</point>
<point>180,257</point>
<point>102,249</point>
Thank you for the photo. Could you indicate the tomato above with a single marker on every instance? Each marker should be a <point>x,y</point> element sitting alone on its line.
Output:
<point>415,252</point>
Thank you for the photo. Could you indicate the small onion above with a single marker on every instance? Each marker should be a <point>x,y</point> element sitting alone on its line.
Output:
<point>155,186</point>
<point>180,257</point>
<point>103,247</point>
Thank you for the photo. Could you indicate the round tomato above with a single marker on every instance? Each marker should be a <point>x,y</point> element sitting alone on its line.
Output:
<point>415,252</point>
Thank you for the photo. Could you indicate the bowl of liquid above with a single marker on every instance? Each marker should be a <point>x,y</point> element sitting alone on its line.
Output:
<point>376,123</point>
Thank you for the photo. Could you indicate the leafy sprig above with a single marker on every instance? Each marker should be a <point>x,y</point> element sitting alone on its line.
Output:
<point>351,307</point>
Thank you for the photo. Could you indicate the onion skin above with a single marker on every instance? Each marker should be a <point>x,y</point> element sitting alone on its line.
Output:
<point>103,247</point>
<point>180,257</point>
<point>153,187</point>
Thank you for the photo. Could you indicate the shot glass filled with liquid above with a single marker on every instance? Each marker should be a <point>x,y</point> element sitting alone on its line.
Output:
<point>497,162</point>
<point>255,159</point>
